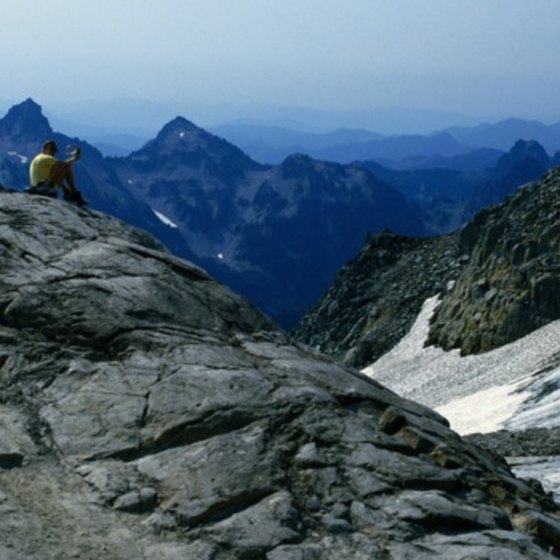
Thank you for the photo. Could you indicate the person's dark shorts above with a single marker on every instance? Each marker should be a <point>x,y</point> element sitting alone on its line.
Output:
<point>46,188</point>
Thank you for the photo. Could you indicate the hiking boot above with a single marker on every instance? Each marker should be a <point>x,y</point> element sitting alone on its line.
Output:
<point>75,197</point>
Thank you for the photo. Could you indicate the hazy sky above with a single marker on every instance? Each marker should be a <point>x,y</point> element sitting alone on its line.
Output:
<point>481,57</point>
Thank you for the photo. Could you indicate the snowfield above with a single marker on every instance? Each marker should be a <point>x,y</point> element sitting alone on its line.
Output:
<point>513,387</point>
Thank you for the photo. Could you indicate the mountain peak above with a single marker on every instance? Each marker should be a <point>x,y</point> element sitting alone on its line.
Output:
<point>524,152</point>
<point>180,123</point>
<point>180,136</point>
<point>296,164</point>
<point>528,148</point>
<point>180,129</point>
<point>26,120</point>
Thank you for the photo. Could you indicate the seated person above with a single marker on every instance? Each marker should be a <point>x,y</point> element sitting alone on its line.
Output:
<point>46,173</point>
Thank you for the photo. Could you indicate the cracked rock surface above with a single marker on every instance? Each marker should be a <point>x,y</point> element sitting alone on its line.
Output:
<point>148,412</point>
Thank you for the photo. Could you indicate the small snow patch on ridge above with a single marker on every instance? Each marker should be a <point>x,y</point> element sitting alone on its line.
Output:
<point>22,159</point>
<point>165,219</point>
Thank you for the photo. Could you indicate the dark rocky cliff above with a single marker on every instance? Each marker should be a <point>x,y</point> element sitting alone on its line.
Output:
<point>511,284</point>
<point>148,412</point>
<point>378,294</point>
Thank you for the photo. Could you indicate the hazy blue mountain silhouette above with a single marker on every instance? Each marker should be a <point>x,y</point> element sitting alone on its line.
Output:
<point>503,134</point>
<point>525,162</point>
<point>478,159</point>
<point>448,197</point>
<point>273,144</point>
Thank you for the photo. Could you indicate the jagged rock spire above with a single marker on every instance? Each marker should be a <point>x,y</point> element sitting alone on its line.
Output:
<point>26,120</point>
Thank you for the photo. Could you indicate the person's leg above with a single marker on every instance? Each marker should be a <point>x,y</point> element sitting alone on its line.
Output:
<point>63,176</point>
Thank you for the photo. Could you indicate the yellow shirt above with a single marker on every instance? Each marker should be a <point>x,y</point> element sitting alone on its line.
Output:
<point>40,168</point>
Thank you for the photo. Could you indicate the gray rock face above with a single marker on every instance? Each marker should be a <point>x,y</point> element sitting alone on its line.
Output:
<point>511,284</point>
<point>377,296</point>
<point>147,412</point>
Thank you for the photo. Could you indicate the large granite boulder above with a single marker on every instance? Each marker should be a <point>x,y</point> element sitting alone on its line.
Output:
<point>147,412</point>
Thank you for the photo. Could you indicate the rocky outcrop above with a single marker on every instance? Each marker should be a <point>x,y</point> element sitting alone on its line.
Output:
<point>377,296</point>
<point>510,286</point>
<point>148,412</point>
<point>532,442</point>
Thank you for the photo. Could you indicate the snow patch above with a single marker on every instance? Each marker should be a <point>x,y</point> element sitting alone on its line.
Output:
<point>485,411</point>
<point>515,387</point>
<point>22,159</point>
<point>165,219</point>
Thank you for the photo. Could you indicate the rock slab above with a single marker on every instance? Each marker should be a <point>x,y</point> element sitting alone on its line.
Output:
<point>155,414</point>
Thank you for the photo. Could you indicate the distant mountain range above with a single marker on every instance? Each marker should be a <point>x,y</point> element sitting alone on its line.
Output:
<point>269,134</point>
<point>273,144</point>
<point>134,115</point>
<point>447,197</point>
<point>505,133</point>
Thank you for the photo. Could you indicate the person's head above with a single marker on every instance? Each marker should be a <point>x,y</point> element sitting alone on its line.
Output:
<point>50,147</point>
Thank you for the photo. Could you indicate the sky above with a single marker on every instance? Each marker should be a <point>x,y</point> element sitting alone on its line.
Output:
<point>475,57</point>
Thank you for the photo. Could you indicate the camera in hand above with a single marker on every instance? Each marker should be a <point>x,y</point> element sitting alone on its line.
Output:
<point>73,151</point>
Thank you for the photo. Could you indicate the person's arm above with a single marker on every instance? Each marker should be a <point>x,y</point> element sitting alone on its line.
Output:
<point>75,156</point>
